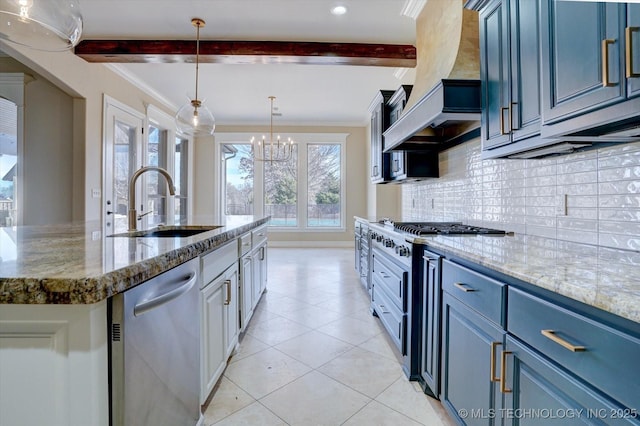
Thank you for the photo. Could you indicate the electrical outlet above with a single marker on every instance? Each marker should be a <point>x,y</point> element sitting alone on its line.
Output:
<point>96,193</point>
<point>561,205</point>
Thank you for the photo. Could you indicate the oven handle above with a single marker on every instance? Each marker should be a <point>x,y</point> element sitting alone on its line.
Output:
<point>186,284</point>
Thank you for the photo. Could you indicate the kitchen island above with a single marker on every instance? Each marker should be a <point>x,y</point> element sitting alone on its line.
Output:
<point>55,282</point>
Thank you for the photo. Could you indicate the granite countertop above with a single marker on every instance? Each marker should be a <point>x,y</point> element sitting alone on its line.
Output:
<point>74,264</point>
<point>605,278</point>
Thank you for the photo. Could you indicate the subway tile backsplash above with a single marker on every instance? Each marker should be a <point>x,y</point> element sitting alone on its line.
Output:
<point>590,197</point>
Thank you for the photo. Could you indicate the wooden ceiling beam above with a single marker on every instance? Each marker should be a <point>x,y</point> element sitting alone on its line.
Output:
<point>247,52</point>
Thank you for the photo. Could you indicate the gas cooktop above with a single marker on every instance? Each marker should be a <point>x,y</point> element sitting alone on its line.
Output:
<point>441,228</point>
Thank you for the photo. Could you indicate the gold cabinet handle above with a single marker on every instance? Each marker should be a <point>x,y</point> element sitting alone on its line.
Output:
<point>464,287</point>
<point>628,32</point>
<point>605,62</point>
<point>228,284</point>
<point>503,372</point>
<point>493,361</point>
<point>502,130</point>
<point>551,335</point>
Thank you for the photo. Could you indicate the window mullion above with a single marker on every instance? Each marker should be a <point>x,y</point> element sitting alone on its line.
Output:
<point>303,184</point>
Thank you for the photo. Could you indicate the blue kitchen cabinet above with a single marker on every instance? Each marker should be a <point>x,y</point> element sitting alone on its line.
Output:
<point>589,351</point>
<point>583,56</point>
<point>510,74</point>
<point>469,356</point>
<point>632,52</point>
<point>473,316</point>
<point>538,392</point>
<point>431,301</point>
<point>380,161</point>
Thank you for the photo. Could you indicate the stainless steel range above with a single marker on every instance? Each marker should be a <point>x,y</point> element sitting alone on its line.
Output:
<point>398,265</point>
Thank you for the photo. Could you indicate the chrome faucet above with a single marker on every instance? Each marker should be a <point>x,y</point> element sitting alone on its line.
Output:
<point>133,214</point>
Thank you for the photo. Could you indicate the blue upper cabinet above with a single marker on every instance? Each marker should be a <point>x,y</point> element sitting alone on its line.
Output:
<point>494,73</point>
<point>510,73</point>
<point>583,49</point>
<point>632,50</point>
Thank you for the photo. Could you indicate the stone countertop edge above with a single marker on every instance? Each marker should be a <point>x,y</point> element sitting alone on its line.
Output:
<point>601,277</point>
<point>89,290</point>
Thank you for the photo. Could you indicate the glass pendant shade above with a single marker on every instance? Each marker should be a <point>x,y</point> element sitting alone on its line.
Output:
<point>51,25</point>
<point>195,119</point>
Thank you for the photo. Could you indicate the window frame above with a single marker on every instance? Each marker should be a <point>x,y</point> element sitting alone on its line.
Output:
<point>164,122</point>
<point>303,140</point>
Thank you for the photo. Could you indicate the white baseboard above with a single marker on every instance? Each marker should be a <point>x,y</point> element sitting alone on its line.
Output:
<point>311,244</point>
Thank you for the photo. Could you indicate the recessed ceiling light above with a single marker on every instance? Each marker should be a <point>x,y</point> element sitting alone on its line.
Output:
<point>339,10</point>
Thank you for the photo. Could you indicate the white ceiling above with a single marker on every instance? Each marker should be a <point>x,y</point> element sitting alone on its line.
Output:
<point>237,94</point>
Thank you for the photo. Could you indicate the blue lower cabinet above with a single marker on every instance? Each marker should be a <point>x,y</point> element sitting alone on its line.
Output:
<point>470,356</point>
<point>538,392</point>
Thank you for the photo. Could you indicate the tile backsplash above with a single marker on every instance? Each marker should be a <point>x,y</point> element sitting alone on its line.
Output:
<point>588,197</point>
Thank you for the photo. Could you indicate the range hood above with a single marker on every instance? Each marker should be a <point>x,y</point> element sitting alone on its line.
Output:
<point>445,104</point>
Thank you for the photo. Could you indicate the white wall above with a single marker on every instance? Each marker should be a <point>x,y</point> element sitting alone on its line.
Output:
<point>48,155</point>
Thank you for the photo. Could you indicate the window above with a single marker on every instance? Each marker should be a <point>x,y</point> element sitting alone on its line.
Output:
<point>304,193</point>
<point>324,189</point>
<point>171,152</point>
<point>156,186</point>
<point>238,180</point>
<point>181,178</point>
<point>8,161</point>
<point>281,191</point>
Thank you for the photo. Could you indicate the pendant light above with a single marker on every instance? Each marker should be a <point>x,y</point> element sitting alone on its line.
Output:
<point>273,149</point>
<point>194,118</point>
<point>51,25</point>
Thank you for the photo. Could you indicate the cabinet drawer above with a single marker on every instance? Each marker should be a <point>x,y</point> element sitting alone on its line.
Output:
<point>480,292</point>
<point>259,235</point>
<point>244,244</point>
<point>216,262</point>
<point>604,357</point>
<point>391,317</point>
<point>392,277</point>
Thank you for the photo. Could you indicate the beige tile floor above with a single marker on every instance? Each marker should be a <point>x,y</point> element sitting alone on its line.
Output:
<point>314,355</point>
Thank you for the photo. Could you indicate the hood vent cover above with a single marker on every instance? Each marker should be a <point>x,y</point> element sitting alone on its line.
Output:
<point>445,103</point>
<point>448,115</point>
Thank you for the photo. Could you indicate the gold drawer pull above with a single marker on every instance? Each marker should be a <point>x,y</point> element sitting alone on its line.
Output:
<point>503,372</point>
<point>493,361</point>
<point>629,53</point>
<point>551,334</point>
<point>228,284</point>
<point>502,130</point>
<point>605,62</point>
<point>464,287</point>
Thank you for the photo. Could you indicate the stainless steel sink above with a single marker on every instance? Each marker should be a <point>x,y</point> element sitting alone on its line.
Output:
<point>168,231</point>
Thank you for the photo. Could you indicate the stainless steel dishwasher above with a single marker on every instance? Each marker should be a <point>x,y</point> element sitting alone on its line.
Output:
<point>155,351</point>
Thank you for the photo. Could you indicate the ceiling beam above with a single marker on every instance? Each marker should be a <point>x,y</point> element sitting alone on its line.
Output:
<point>247,52</point>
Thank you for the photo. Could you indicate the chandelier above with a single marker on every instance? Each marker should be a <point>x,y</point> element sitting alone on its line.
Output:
<point>50,25</point>
<point>194,118</point>
<point>272,149</point>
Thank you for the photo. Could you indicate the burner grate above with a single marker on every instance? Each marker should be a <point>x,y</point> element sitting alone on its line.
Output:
<point>444,228</point>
